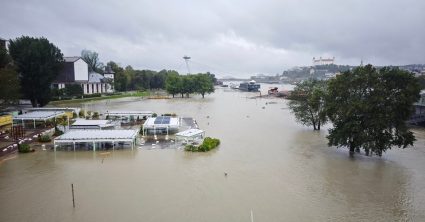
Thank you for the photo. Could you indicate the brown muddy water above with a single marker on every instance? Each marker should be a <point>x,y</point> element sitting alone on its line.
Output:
<point>277,168</point>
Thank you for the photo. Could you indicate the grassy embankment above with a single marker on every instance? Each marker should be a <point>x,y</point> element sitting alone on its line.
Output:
<point>122,95</point>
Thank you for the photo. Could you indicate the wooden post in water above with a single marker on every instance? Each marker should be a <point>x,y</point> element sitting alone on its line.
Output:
<point>73,200</point>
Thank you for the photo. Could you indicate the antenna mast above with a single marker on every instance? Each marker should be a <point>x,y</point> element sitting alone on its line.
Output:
<point>186,59</point>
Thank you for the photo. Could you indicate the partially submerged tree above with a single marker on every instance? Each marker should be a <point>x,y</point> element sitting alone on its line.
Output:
<point>307,103</point>
<point>38,63</point>
<point>173,83</point>
<point>369,109</point>
<point>203,84</point>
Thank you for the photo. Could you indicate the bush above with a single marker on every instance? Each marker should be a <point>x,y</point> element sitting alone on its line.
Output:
<point>207,145</point>
<point>92,95</point>
<point>44,139</point>
<point>154,115</point>
<point>24,148</point>
<point>81,114</point>
<point>191,148</point>
<point>95,115</point>
<point>74,115</point>
<point>57,132</point>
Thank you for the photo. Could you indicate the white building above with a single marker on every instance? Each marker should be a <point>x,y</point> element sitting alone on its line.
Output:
<point>323,61</point>
<point>75,71</point>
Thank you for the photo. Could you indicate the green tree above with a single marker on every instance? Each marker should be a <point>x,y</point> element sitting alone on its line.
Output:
<point>187,86</point>
<point>120,79</point>
<point>203,83</point>
<point>173,83</point>
<point>73,90</point>
<point>9,81</point>
<point>421,80</point>
<point>92,60</point>
<point>307,103</point>
<point>38,63</point>
<point>369,107</point>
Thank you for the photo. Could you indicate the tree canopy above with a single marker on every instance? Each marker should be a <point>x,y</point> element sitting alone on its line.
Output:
<point>92,60</point>
<point>188,84</point>
<point>307,103</point>
<point>38,63</point>
<point>9,81</point>
<point>369,107</point>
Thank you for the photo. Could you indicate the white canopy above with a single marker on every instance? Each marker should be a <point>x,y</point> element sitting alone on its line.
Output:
<point>97,135</point>
<point>56,109</point>
<point>87,122</point>
<point>129,113</point>
<point>190,133</point>
<point>91,124</point>
<point>39,115</point>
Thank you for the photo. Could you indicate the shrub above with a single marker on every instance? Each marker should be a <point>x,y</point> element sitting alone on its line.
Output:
<point>92,95</point>
<point>44,139</point>
<point>57,132</point>
<point>191,148</point>
<point>207,145</point>
<point>95,115</point>
<point>81,114</point>
<point>154,115</point>
<point>74,115</point>
<point>24,148</point>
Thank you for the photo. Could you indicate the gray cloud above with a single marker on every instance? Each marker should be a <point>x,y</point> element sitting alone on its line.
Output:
<point>238,37</point>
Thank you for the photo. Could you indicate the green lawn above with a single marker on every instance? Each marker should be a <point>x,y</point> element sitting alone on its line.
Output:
<point>122,95</point>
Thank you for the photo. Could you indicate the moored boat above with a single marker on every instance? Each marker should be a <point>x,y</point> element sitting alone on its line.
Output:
<point>250,86</point>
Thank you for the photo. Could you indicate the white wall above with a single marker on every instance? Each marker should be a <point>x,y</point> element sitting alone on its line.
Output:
<point>110,76</point>
<point>81,70</point>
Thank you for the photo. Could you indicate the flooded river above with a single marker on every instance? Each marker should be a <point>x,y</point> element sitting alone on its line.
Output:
<point>278,169</point>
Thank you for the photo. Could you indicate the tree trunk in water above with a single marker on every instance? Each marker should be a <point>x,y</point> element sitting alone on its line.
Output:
<point>173,95</point>
<point>318,125</point>
<point>182,95</point>
<point>203,94</point>
<point>357,150</point>
<point>367,152</point>
<point>351,151</point>
<point>34,102</point>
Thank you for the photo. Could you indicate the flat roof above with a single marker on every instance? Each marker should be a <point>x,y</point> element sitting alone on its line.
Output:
<point>190,133</point>
<point>86,122</point>
<point>126,113</point>
<point>96,135</point>
<point>39,115</point>
<point>164,122</point>
<point>54,109</point>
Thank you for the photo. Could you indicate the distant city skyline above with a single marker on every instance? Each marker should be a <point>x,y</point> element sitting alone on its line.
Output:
<point>229,38</point>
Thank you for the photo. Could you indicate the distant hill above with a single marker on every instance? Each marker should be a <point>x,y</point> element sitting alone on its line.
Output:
<point>328,71</point>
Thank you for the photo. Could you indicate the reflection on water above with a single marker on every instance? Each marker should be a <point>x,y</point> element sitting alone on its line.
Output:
<point>277,168</point>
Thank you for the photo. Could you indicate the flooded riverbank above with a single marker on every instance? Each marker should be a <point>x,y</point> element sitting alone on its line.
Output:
<point>277,168</point>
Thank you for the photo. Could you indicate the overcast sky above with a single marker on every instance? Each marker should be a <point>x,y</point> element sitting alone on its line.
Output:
<point>238,38</point>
